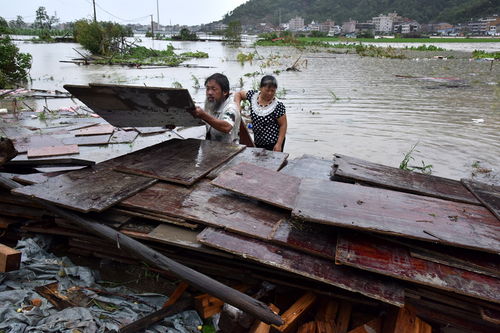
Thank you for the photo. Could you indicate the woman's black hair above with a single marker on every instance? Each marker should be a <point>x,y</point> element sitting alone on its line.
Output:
<point>221,80</point>
<point>269,80</point>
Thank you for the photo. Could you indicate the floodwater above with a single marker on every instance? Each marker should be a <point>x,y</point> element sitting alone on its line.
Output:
<point>370,108</point>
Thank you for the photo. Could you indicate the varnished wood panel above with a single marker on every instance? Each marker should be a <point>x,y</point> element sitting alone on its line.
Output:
<point>180,161</point>
<point>258,156</point>
<point>398,213</point>
<point>53,151</point>
<point>306,265</point>
<point>375,255</point>
<point>88,189</point>
<point>140,106</point>
<point>100,129</point>
<point>489,195</point>
<point>309,166</point>
<point>312,238</point>
<point>260,183</point>
<point>209,205</point>
<point>402,180</point>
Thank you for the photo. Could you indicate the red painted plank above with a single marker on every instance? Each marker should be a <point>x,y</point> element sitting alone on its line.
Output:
<point>371,285</point>
<point>261,183</point>
<point>398,213</point>
<point>379,256</point>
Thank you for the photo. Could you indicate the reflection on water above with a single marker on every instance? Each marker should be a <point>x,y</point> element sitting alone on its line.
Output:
<point>370,108</point>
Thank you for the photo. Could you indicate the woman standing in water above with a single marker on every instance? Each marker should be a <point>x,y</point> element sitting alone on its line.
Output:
<point>268,114</point>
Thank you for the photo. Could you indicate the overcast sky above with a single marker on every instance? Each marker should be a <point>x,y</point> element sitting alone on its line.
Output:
<point>189,12</point>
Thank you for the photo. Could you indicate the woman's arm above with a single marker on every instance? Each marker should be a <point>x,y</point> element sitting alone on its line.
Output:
<point>282,123</point>
<point>240,96</point>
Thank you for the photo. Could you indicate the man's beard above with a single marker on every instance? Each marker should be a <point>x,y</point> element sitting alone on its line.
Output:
<point>212,106</point>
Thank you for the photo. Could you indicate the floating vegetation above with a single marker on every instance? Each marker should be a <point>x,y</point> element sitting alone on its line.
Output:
<point>480,54</point>
<point>176,84</point>
<point>253,74</point>
<point>425,48</point>
<point>196,82</point>
<point>244,57</point>
<point>334,96</point>
<point>379,52</point>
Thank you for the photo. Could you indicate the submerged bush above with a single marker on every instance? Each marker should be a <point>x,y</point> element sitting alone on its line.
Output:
<point>14,66</point>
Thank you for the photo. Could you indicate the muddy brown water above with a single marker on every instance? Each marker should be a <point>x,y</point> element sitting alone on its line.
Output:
<point>370,108</point>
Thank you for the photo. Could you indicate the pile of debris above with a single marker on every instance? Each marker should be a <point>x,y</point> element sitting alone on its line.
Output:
<point>348,245</point>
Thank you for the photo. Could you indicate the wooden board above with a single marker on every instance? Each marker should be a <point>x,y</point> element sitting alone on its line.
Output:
<point>101,129</point>
<point>90,140</point>
<point>22,144</point>
<point>402,180</point>
<point>258,156</point>
<point>261,183</point>
<point>53,151</point>
<point>489,195</point>
<point>180,161</point>
<point>309,166</point>
<point>139,106</point>
<point>120,136</point>
<point>93,189</point>
<point>315,268</point>
<point>398,213</point>
<point>375,255</point>
<point>10,259</point>
<point>209,205</point>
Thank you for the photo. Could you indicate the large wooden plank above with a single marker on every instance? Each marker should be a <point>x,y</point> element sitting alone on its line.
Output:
<point>209,205</point>
<point>402,180</point>
<point>88,140</point>
<point>53,151</point>
<point>273,160</point>
<point>488,194</point>
<point>101,129</point>
<point>22,144</point>
<point>93,189</point>
<point>309,166</point>
<point>376,255</point>
<point>313,267</point>
<point>139,106</point>
<point>180,161</point>
<point>121,136</point>
<point>398,213</point>
<point>261,183</point>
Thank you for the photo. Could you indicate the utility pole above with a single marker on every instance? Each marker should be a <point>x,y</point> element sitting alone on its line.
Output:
<point>157,15</point>
<point>95,16</point>
<point>152,28</point>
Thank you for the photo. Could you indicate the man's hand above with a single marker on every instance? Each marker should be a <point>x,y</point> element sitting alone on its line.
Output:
<point>199,113</point>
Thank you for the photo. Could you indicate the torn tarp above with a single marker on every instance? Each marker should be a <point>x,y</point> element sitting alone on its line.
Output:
<point>95,313</point>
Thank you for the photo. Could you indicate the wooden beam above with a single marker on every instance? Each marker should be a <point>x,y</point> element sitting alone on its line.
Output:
<point>10,259</point>
<point>344,317</point>
<point>295,312</point>
<point>260,327</point>
<point>408,322</point>
<point>143,252</point>
<point>181,288</point>
<point>373,326</point>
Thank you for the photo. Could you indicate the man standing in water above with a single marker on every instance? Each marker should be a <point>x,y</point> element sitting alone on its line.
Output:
<point>221,114</point>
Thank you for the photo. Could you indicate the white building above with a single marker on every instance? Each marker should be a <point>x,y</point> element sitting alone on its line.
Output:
<point>296,24</point>
<point>349,27</point>
<point>383,23</point>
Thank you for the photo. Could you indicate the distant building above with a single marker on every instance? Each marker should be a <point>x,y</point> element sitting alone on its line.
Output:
<point>349,27</point>
<point>406,27</point>
<point>296,24</point>
<point>482,26</point>
<point>384,23</point>
<point>326,26</point>
<point>365,27</point>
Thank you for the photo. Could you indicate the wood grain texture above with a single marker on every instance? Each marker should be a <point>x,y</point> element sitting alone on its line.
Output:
<point>180,161</point>
<point>93,189</point>
<point>303,264</point>
<point>100,129</point>
<point>402,180</point>
<point>309,166</point>
<point>53,151</point>
<point>22,144</point>
<point>408,322</point>
<point>209,205</point>
<point>375,255</point>
<point>120,136</point>
<point>398,213</point>
<point>488,195</point>
<point>260,183</point>
<point>259,156</point>
<point>139,106</point>
<point>90,140</point>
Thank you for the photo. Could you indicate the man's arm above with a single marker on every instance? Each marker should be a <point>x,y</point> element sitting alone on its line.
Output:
<point>218,124</point>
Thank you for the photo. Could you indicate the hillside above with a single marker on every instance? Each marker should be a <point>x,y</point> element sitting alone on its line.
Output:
<point>424,11</point>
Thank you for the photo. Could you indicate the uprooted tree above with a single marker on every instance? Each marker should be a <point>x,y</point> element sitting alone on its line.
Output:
<point>101,38</point>
<point>14,65</point>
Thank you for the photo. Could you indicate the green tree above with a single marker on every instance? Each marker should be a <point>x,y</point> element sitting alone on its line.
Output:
<point>4,26</point>
<point>233,32</point>
<point>43,20</point>
<point>102,38</point>
<point>14,66</point>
